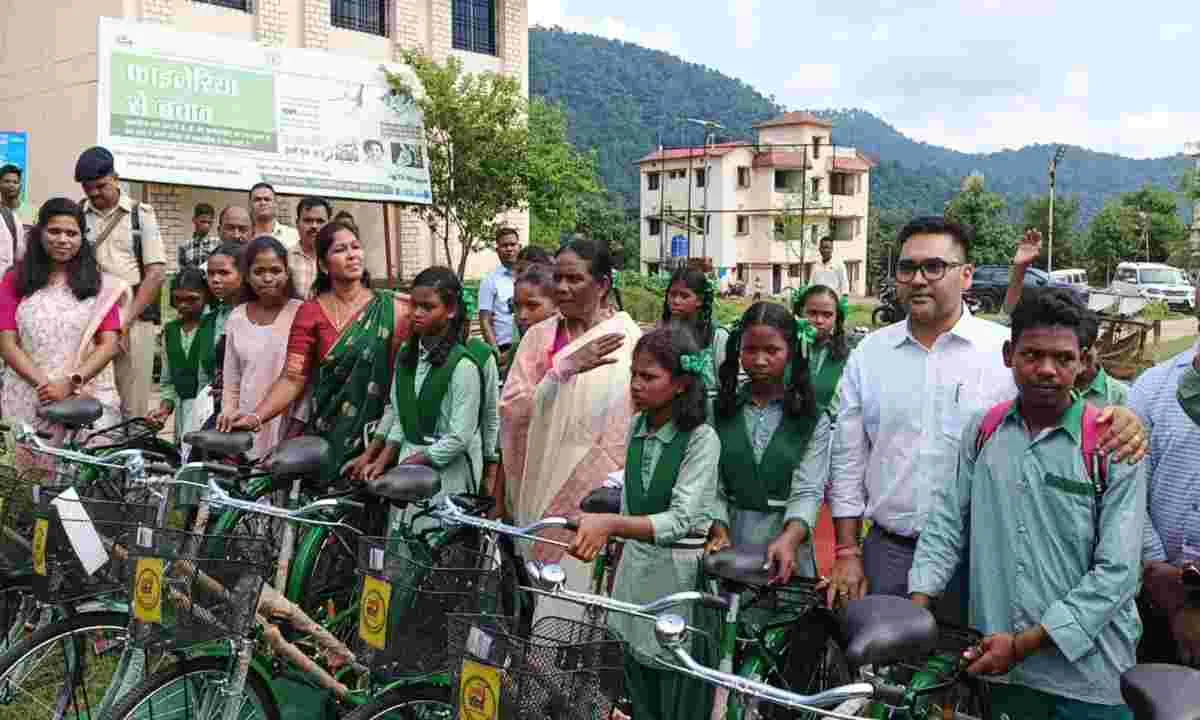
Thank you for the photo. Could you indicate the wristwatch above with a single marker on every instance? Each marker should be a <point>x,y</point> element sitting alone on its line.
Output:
<point>76,382</point>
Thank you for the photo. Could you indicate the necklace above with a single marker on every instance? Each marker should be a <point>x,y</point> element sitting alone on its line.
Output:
<point>337,306</point>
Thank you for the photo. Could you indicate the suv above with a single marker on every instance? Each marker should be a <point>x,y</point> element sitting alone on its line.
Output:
<point>1155,281</point>
<point>990,285</point>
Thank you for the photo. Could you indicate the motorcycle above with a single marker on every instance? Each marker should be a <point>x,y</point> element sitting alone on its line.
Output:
<point>891,311</point>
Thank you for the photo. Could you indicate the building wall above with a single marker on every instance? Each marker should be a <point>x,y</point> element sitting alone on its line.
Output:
<point>757,250</point>
<point>49,89</point>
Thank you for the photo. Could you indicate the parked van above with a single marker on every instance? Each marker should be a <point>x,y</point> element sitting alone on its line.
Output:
<point>1074,277</point>
<point>1155,281</point>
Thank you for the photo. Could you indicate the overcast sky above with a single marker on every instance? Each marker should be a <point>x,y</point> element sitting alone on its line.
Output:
<point>974,75</point>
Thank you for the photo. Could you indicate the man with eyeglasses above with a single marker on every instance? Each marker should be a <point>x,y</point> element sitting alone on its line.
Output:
<point>907,393</point>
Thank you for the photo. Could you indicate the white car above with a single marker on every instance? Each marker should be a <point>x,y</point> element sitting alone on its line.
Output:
<point>1156,282</point>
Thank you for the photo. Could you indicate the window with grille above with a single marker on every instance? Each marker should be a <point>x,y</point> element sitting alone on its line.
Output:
<point>243,5</point>
<point>368,16</point>
<point>475,26</point>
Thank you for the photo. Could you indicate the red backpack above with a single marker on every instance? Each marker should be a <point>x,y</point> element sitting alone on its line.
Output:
<point>1097,471</point>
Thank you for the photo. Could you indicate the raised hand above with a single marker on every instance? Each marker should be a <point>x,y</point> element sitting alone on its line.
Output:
<point>1029,248</point>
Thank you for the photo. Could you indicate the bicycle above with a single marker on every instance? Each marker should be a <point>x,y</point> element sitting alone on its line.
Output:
<point>233,674</point>
<point>742,579</point>
<point>1162,692</point>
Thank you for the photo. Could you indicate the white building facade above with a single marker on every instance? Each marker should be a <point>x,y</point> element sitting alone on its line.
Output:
<point>758,210</point>
<point>49,59</point>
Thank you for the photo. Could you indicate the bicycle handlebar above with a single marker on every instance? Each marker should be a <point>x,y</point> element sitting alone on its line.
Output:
<point>449,511</point>
<point>672,631</point>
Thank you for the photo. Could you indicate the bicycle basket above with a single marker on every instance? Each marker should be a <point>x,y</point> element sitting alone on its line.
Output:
<point>79,544</point>
<point>406,590</point>
<point>190,588</point>
<point>129,433</point>
<point>564,669</point>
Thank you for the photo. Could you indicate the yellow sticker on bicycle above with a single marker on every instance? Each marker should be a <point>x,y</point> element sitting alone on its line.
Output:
<point>147,590</point>
<point>478,692</point>
<point>41,531</point>
<point>373,612</point>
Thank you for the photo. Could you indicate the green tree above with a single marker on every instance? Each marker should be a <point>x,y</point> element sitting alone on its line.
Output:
<point>1112,237</point>
<point>883,229</point>
<point>1158,219</point>
<point>987,213</point>
<point>600,218</point>
<point>1066,219</point>
<point>478,144</point>
<point>560,178</point>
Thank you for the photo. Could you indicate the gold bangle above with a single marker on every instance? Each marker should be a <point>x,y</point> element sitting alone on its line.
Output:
<point>258,423</point>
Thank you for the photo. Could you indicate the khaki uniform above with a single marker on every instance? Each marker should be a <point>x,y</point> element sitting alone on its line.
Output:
<point>116,257</point>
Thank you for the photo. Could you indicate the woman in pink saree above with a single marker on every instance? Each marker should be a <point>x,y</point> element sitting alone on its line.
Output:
<point>565,409</point>
<point>60,318</point>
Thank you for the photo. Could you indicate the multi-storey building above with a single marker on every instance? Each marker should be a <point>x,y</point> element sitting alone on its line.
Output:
<point>757,210</point>
<point>48,59</point>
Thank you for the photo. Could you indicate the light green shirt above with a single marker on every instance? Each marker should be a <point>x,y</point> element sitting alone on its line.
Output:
<point>648,571</point>
<point>1025,510</point>
<point>1105,391</point>
<point>490,421</point>
<point>456,450</point>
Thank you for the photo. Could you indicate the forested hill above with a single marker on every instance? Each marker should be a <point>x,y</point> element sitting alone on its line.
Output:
<point>622,100</point>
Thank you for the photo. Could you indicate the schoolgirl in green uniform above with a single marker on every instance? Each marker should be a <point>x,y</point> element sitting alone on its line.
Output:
<point>187,345</point>
<point>670,486</point>
<point>436,391</point>
<point>689,301</point>
<point>826,312</point>
<point>774,443</point>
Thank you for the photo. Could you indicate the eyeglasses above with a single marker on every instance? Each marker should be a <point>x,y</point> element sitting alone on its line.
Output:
<point>932,269</point>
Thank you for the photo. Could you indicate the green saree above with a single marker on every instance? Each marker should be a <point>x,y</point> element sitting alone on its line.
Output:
<point>350,384</point>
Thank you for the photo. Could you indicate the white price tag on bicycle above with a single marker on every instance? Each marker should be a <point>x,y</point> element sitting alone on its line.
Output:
<point>479,644</point>
<point>77,524</point>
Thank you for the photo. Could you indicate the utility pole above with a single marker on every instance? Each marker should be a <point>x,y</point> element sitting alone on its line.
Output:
<point>1059,152</point>
<point>710,127</point>
<point>1192,150</point>
<point>1144,220</point>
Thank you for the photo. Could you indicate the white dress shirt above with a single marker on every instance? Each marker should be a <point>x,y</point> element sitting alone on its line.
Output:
<point>831,274</point>
<point>902,411</point>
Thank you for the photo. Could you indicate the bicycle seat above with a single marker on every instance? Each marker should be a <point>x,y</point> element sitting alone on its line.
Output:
<point>74,413</point>
<point>602,500</point>
<point>1162,692</point>
<point>743,565</point>
<point>406,483</point>
<point>299,457</point>
<point>219,443</point>
<point>884,629</point>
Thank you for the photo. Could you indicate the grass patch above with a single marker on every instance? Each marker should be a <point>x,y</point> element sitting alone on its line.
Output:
<point>1171,348</point>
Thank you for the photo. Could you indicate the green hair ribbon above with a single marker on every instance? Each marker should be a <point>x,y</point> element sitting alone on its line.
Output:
<point>470,298</point>
<point>798,295</point>
<point>617,282</point>
<point>844,306</point>
<point>695,363</point>
<point>806,335</point>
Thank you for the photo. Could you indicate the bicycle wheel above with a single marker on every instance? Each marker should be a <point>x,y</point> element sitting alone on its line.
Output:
<point>815,662</point>
<point>62,670</point>
<point>417,702</point>
<point>191,690</point>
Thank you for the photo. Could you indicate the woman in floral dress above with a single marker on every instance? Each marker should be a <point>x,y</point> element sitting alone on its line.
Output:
<point>60,320</point>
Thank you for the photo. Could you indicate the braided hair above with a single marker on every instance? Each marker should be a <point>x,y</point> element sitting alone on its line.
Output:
<point>838,347</point>
<point>697,282</point>
<point>799,400</point>
<point>450,292</point>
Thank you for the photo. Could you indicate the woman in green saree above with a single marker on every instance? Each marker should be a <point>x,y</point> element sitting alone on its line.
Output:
<point>341,352</point>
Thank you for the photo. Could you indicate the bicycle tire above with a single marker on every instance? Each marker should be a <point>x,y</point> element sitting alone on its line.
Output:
<point>139,703</point>
<point>409,701</point>
<point>25,654</point>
